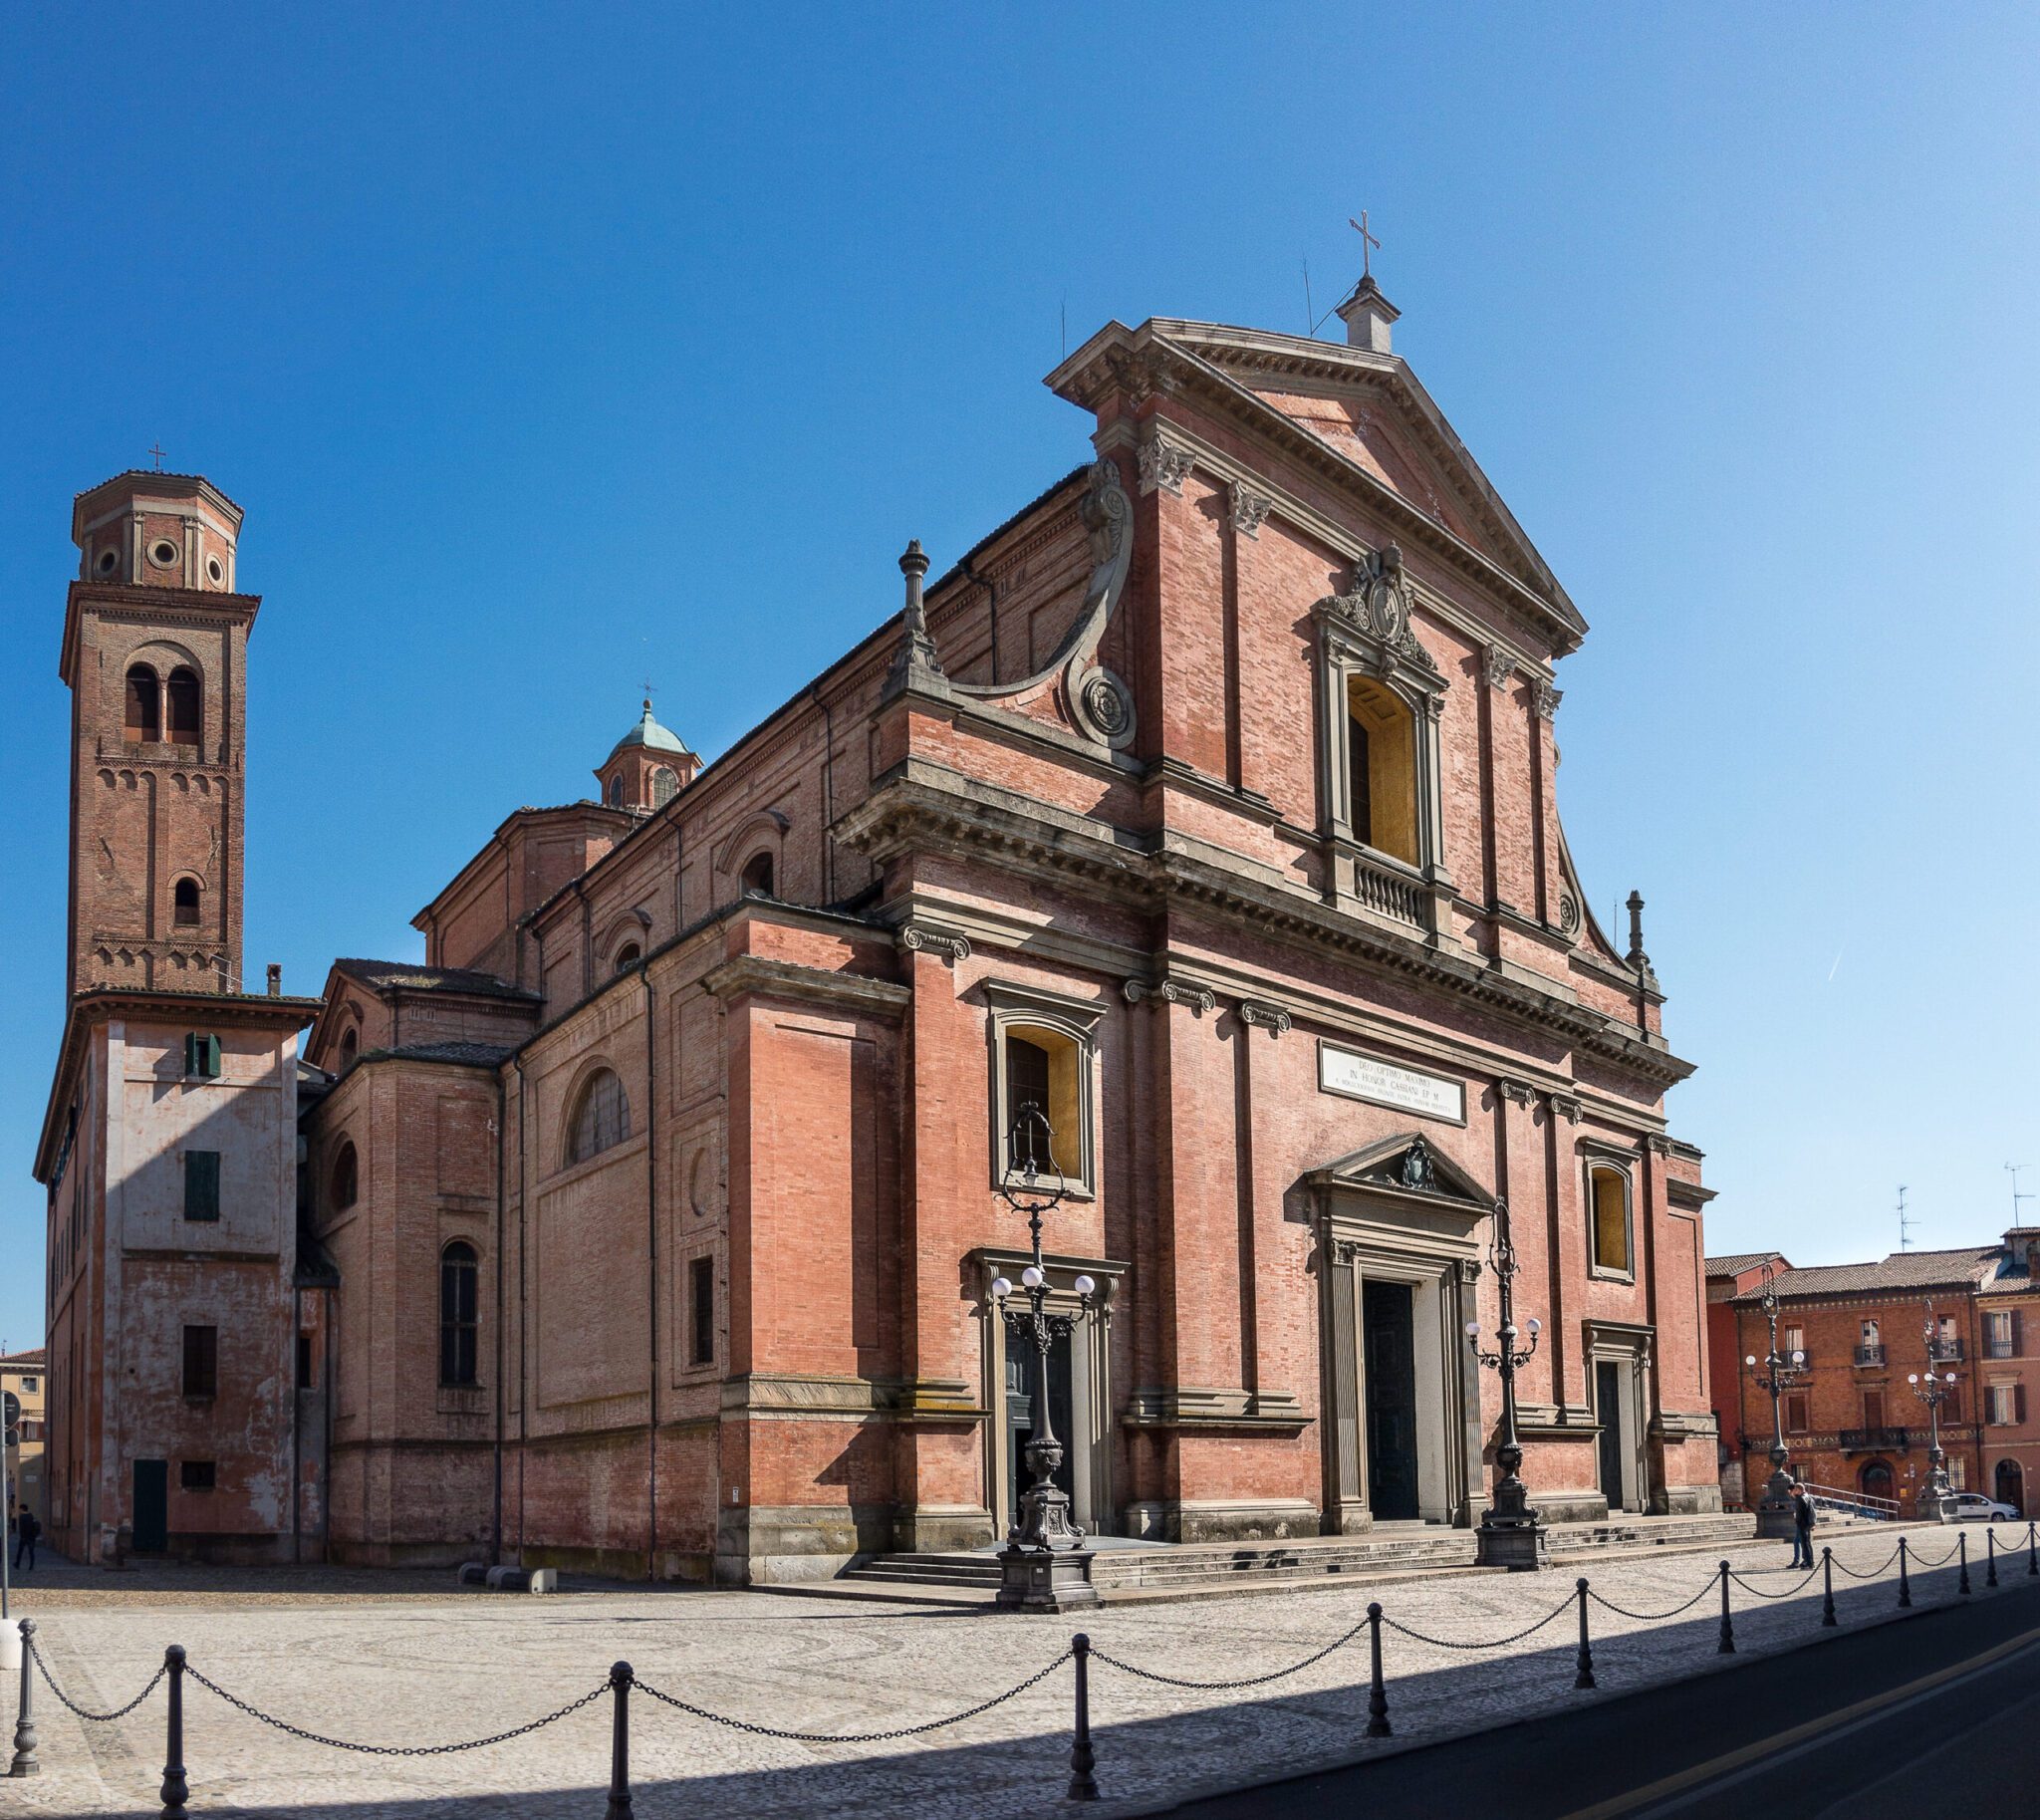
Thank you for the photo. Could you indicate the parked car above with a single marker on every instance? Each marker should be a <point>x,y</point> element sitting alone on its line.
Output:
<point>1974,1507</point>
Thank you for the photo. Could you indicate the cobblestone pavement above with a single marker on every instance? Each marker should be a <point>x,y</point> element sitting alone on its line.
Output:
<point>417,1669</point>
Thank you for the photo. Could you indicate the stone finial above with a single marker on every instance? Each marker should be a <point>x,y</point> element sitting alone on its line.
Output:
<point>1636,956</point>
<point>917,652</point>
<point>1368,316</point>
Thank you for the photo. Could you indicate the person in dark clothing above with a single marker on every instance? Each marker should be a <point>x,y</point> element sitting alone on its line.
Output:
<point>1802,1527</point>
<point>26,1529</point>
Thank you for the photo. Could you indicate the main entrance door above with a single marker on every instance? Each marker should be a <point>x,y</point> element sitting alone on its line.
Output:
<point>1388,1327</point>
<point>1022,1361</point>
<point>152,1506</point>
<point>1607,1407</point>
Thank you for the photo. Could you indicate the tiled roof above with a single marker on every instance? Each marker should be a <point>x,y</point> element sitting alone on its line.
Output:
<point>1962,1267</point>
<point>1736,1262</point>
<point>414,977</point>
<point>474,1055</point>
<point>24,1360</point>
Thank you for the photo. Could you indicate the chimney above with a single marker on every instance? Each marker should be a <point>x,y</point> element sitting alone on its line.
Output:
<point>275,980</point>
<point>1368,316</point>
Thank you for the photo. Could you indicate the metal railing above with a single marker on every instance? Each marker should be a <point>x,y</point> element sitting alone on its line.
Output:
<point>1944,1351</point>
<point>1871,1441</point>
<point>1870,1355</point>
<point>1853,1503</point>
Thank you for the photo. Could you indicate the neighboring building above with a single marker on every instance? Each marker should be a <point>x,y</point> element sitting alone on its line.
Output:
<point>1853,1424</point>
<point>1727,1278</point>
<point>25,1374</point>
<point>1210,804</point>
<point>2007,1351</point>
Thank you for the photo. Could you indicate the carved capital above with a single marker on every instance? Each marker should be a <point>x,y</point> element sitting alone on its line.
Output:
<point>1657,1144</point>
<point>1258,1014</point>
<point>1345,1252</point>
<point>1517,1092</point>
<point>1500,662</point>
<point>1168,991</point>
<point>1571,1109</point>
<point>935,937</point>
<point>1547,699</point>
<point>1248,510</point>
<point>1163,463</point>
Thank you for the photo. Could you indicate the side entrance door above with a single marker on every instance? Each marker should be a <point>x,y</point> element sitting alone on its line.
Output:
<point>1022,1362</point>
<point>1388,1328</point>
<point>1607,1407</point>
<point>152,1506</point>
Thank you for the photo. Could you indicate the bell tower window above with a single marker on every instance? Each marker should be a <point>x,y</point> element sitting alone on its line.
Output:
<point>144,719</point>
<point>186,716</point>
<point>185,913</point>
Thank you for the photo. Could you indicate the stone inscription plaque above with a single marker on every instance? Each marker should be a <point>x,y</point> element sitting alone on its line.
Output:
<point>1364,1077</point>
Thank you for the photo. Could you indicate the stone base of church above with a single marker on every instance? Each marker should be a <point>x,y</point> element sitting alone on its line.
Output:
<point>1222,1519</point>
<point>1692,1500</point>
<point>943,1529</point>
<point>778,1545</point>
<point>1572,1506</point>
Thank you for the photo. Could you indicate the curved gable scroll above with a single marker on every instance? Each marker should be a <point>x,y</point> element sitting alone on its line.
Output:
<point>1100,706</point>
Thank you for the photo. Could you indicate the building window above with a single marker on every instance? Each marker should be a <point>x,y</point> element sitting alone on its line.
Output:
<point>29,1386</point>
<point>350,1045</point>
<point>185,903</point>
<point>345,1184</point>
<point>185,714</point>
<point>1795,1341</point>
<point>1958,1472</point>
<point>2007,1405</point>
<point>666,785</point>
<point>201,1361</point>
<point>1873,1409</point>
<point>627,956</point>
<point>142,722</point>
<point>304,1362</point>
<point>701,1294</point>
<point>2002,1333</point>
<point>1795,1413</point>
<point>197,1475</point>
<point>1042,1062</point>
<point>1380,770</point>
<point>617,791</point>
<point>601,1118</point>
<point>1952,1405</point>
<point>202,1055</point>
<point>201,1184</point>
<point>458,1314</point>
<point>1608,1207</point>
<point>755,880</point>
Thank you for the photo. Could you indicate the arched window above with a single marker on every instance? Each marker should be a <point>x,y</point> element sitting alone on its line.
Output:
<point>458,1314</point>
<point>143,720</point>
<point>350,1043</point>
<point>602,1119</point>
<point>1380,770</point>
<point>617,791</point>
<point>184,715</point>
<point>344,1180</point>
<point>1042,1058</point>
<point>629,955</point>
<point>755,880</point>
<point>1607,1194</point>
<point>666,785</point>
<point>185,903</point>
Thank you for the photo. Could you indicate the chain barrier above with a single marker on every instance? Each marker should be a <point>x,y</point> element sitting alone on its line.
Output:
<point>98,1718</point>
<point>1499,1643</point>
<point>1652,1617</point>
<point>397,1750</point>
<point>1919,1560</point>
<point>852,1737</point>
<point>1789,1592</point>
<point>1250,1680</point>
<point>1874,1572</point>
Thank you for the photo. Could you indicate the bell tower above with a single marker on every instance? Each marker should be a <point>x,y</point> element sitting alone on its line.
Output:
<point>156,640</point>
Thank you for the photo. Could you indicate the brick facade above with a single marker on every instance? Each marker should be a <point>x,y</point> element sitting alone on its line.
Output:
<point>1222,776</point>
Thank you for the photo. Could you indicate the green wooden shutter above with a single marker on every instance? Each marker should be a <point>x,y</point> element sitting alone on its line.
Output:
<point>201,1184</point>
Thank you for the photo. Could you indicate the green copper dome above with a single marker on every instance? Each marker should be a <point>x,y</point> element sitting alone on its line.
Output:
<point>648,733</point>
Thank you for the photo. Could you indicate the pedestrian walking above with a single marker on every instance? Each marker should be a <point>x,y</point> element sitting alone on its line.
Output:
<point>26,1529</point>
<point>1803,1520</point>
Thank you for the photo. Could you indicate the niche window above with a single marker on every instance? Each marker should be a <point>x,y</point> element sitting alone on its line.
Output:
<point>1043,1058</point>
<point>201,1361</point>
<point>701,1298</point>
<point>1795,1414</point>
<point>350,1045</point>
<point>197,1475</point>
<point>755,880</point>
<point>627,956</point>
<point>186,716</point>
<point>201,1184</point>
<point>458,1315</point>
<point>345,1179</point>
<point>1380,770</point>
<point>1607,1210</point>
<point>601,1118</point>
<point>142,722</point>
<point>185,903</point>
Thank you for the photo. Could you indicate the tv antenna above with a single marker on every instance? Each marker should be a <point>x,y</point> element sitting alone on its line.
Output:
<point>1905,1222</point>
<point>2013,1169</point>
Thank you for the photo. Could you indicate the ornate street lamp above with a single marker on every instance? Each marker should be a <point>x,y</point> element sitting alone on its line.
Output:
<point>1777,1374</point>
<point>1511,1534</point>
<point>1044,1566</point>
<point>1934,1390</point>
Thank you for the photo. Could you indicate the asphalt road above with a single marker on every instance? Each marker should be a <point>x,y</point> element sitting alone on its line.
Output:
<point>1934,1713</point>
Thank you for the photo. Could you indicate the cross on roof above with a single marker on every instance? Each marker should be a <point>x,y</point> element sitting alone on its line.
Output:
<point>159,452</point>
<point>1368,243</point>
<point>649,691</point>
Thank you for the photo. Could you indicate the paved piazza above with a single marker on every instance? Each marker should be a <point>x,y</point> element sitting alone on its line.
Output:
<point>406,1659</point>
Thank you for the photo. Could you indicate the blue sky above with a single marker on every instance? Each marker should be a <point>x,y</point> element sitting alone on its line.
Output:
<point>549,349</point>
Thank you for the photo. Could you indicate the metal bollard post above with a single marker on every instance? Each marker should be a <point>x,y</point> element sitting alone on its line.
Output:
<point>1083,1759</point>
<point>1989,1554</point>
<point>619,1744</point>
<point>2032,1553</point>
<point>1827,1587</point>
<point>1584,1677</point>
<point>176,1790</point>
<point>1904,1582</point>
<point>1377,1693</point>
<point>24,1764</point>
<point>1726,1647</point>
<point>1962,1544</point>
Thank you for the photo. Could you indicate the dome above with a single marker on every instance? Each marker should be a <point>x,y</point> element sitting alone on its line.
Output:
<point>648,733</point>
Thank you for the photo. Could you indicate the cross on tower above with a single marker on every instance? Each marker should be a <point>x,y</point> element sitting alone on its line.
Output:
<point>159,452</point>
<point>1368,243</point>
<point>649,691</point>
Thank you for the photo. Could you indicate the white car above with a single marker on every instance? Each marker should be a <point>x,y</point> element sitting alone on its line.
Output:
<point>1974,1507</point>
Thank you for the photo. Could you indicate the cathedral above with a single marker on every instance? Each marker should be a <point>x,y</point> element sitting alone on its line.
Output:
<point>1192,843</point>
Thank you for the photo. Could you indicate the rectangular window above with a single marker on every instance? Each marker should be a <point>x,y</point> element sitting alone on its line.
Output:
<point>1958,1471</point>
<point>1951,1409</point>
<point>1795,1341</point>
<point>701,1289</point>
<point>1873,1409</point>
<point>1795,1415</point>
<point>201,1361</point>
<point>1609,1189</point>
<point>202,1055</point>
<point>1998,1333</point>
<point>197,1475</point>
<point>201,1184</point>
<point>28,1385</point>
<point>304,1362</point>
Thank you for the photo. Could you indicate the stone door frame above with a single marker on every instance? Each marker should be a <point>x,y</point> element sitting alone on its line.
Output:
<point>1627,1347</point>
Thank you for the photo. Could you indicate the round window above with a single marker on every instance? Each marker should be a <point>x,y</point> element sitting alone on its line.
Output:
<point>163,553</point>
<point>214,571</point>
<point>107,561</point>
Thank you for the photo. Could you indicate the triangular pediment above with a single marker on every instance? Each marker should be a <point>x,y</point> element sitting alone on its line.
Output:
<point>1405,1164</point>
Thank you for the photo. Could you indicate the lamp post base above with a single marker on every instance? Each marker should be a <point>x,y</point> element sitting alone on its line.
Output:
<point>1045,1580</point>
<point>1521,1544</point>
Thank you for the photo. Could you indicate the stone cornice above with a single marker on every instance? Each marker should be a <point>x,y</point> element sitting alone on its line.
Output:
<point>754,973</point>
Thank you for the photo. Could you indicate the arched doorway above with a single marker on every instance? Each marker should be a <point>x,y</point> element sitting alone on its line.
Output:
<point>2011,1487</point>
<point>1874,1480</point>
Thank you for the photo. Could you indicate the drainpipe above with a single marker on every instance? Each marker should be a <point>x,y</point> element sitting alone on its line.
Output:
<point>828,794</point>
<point>496,1493</point>
<point>651,1256</point>
<point>523,1355</point>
